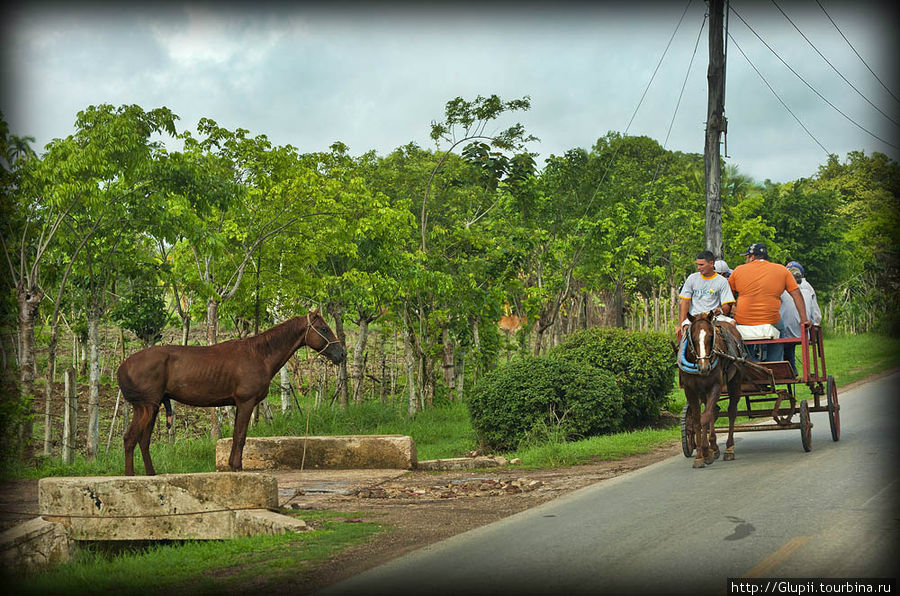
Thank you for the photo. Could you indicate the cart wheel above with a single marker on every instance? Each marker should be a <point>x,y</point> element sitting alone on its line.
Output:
<point>805,426</point>
<point>688,443</point>
<point>834,409</point>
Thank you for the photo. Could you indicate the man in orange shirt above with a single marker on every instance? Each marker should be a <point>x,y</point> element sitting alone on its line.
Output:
<point>758,285</point>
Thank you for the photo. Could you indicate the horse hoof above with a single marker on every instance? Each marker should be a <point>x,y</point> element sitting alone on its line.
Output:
<point>729,457</point>
<point>716,454</point>
<point>709,459</point>
<point>698,463</point>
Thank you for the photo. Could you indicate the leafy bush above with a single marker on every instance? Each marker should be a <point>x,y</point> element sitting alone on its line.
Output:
<point>512,400</point>
<point>643,363</point>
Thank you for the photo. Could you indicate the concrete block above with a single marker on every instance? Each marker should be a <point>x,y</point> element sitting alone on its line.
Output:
<point>33,546</point>
<point>334,453</point>
<point>164,507</point>
<point>259,521</point>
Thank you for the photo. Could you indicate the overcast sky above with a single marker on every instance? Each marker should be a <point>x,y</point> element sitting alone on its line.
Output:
<point>375,76</point>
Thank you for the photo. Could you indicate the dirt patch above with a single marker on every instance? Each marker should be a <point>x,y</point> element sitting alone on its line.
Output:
<point>421,508</point>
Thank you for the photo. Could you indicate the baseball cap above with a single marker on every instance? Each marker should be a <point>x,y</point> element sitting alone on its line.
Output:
<point>757,250</point>
<point>722,268</point>
<point>797,266</point>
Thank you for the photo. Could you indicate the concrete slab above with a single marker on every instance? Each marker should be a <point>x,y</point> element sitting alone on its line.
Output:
<point>310,453</point>
<point>34,545</point>
<point>164,507</point>
<point>462,463</point>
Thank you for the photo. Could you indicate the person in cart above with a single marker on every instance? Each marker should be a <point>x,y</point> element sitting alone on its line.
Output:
<point>757,285</point>
<point>705,291</point>
<point>789,315</point>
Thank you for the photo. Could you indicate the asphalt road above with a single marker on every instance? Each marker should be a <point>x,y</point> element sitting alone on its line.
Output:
<point>776,511</point>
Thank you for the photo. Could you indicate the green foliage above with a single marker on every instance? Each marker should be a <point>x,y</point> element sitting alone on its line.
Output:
<point>143,313</point>
<point>643,364</point>
<point>530,394</point>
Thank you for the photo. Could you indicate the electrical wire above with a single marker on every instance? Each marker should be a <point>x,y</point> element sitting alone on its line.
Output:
<point>891,93</point>
<point>833,67</point>
<point>778,97</point>
<point>813,89</point>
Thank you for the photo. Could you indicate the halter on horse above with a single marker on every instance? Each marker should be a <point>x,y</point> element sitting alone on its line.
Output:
<point>702,373</point>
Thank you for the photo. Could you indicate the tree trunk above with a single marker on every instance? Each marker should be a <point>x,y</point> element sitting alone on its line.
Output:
<point>359,367</point>
<point>448,362</point>
<point>413,400</point>
<point>69,417</point>
<point>212,332</point>
<point>337,312</point>
<point>49,389</point>
<point>93,431</point>
<point>460,374</point>
<point>285,385</point>
<point>185,329</point>
<point>29,300</point>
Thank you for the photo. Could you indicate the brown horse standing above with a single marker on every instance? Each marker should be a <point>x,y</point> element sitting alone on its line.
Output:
<point>232,373</point>
<point>702,373</point>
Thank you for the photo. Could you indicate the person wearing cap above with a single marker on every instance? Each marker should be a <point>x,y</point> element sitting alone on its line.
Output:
<point>758,285</point>
<point>705,290</point>
<point>789,314</point>
<point>722,268</point>
<point>808,292</point>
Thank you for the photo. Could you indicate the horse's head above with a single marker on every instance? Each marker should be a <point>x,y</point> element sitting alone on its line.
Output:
<point>701,340</point>
<point>321,338</point>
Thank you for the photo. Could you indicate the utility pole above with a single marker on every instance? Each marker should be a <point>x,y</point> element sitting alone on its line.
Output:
<point>715,126</point>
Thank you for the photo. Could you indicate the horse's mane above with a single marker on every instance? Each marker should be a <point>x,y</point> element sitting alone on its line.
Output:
<point>280,337</point>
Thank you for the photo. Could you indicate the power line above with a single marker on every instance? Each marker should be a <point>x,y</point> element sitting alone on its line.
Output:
<point>832,65</point>
<point>857,53</point>
<point>813,89</point>
<point>778,97</point>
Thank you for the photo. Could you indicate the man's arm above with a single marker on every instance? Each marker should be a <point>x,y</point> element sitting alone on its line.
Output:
<point>683,309</point>
<point>801,307</point>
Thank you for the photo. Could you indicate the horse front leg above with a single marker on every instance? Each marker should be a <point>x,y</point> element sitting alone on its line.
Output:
<point>699,433</point>
<point>243,411</point>
<point>712,408</point>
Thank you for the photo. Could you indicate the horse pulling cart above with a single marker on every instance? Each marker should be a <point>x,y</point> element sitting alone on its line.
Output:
<point>768,391</point>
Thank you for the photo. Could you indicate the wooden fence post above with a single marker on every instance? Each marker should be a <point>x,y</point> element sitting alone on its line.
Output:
<point>69,422</point>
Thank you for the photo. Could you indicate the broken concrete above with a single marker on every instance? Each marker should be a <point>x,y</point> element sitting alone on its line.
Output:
<point>334,453</point>
<point>167,507</point>
<point>34,545</point>
<point>462,463</point>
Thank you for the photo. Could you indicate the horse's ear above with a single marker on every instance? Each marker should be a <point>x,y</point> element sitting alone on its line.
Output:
<point>690,317</point>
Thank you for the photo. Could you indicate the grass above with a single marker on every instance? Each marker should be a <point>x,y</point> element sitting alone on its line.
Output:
<point>202,567</point>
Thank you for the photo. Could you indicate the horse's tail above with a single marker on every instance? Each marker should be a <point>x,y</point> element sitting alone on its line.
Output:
<point>168,405</point>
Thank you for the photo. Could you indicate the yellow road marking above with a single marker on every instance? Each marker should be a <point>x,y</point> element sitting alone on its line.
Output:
<point>777,557</point>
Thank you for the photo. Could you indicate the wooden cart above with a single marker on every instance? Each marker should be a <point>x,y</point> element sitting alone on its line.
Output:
<point>768,392</point>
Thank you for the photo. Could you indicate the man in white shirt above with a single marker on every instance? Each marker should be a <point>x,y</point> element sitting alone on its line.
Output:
<point>705,290</point>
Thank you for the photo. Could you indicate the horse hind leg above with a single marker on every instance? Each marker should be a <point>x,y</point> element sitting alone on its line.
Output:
<point>134,433</point>
<point>145,441</point>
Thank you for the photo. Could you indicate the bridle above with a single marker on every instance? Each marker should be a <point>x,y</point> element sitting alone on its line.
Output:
<point>328,342</point>
<point>711,358</point>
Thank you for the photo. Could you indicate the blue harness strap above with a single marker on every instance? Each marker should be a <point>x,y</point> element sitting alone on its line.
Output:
<point>690,367</point>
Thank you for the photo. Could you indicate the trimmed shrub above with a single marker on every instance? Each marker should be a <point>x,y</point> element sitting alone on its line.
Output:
<point>573,398</point>
<point>643,363</point>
